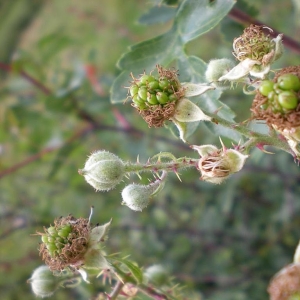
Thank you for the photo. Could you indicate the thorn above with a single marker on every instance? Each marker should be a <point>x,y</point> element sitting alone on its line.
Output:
<point>178,176</point>
<point>260,146</point>
<point>138,159</point>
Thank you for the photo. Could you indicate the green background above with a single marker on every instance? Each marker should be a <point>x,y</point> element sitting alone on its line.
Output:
<point>221,242</point>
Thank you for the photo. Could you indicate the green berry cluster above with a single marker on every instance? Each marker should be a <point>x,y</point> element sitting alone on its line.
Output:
<point>282,95</point>
<point>56,238</point>
<point>148,91</point>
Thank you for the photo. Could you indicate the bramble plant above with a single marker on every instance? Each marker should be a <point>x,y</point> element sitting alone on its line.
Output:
<point>72,248</point>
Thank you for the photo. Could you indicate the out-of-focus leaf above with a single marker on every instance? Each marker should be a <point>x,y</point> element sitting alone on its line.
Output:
<point>134,269</point>
<point>158,14</point>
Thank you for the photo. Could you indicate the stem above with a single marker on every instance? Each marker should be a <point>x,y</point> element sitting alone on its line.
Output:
<point>116,291</point>
<point>174,166</point>
<point>255,137</point>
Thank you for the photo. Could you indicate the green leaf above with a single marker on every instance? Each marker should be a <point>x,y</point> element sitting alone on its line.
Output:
<point>195,18</point>
<point>146,55</point>
<point>135,270</point>
<point>158,14</point>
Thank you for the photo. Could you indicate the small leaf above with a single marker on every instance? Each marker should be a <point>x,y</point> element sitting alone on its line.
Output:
<point>135,270</point>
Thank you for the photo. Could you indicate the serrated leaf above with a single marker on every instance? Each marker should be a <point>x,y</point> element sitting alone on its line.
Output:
<point>135,270</point>
<point>195,18</point>
<point>158,14</point>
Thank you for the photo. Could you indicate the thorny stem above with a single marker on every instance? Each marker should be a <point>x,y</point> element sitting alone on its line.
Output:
<point>255,137</point>
<point>174,166</point>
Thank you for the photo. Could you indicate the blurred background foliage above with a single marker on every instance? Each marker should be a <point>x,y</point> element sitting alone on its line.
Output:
<point>57,64</point>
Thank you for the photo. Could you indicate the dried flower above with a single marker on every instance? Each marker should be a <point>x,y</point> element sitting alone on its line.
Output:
<point>256,51</point>
<point>216,165</point>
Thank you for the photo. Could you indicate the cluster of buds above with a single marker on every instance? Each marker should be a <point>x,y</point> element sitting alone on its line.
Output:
<point>216,165</point>
<point>73,244</point>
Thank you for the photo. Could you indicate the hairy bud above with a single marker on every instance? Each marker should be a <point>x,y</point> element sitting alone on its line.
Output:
<point>137,196</point>
<point>43,282</point>
<point>103,170</point>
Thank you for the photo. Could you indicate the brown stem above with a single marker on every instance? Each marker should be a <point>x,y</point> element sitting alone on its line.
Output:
<point>116,291</point>
<point>241,17</point>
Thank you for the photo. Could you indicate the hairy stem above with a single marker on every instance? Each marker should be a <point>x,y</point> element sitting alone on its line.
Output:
<point>173,166</point>
<point>256,138</point>
<point>116,291</point>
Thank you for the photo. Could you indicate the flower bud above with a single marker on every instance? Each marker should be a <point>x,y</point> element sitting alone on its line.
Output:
<point>157,275</point>
<point>103,170</point>
<point>216,68</point>
<point>137,196</point>
<point>43,282</point>
<point>216,165</point>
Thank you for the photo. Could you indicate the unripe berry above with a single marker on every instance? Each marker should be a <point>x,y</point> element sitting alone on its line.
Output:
<point>266,87</point>
<point>288,100</point>
<point>289,82</point>
<point>43,282</point>
<point>103,170</point>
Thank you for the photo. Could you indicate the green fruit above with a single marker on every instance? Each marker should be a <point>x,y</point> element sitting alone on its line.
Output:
<point>289,82</point>
<point>133,90</point>
<point>288,100</point>
<point>162,97</point>
<point>173,97</point>
<point>146,79</point>
<point>153,85</point>
<point>143,93</point>
<point>163,83</point>
<point>151,99</point>
<point>44,238</point>
<point>266,87</point>
<point>52,231</point>
<point>51,247</point>
<point>51,239</point>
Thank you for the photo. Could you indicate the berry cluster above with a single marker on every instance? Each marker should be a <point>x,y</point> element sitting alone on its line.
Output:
<point>148,91</point>
<point>282,95</point>
<point>56,238</point>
